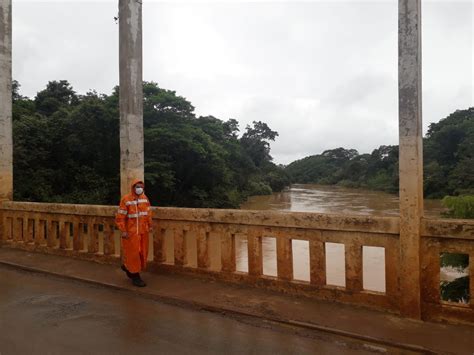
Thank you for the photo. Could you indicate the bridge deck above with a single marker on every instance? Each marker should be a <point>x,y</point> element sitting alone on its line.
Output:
<point>334,320</point>
<point>47,315</point>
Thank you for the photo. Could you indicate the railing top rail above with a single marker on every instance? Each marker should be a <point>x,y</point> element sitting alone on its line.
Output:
<point>439,228</point>
<point>448,228</point>
<point>302,220</point>
<point>59,208</point>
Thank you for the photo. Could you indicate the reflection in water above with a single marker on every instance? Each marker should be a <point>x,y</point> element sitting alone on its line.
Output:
<point>333,200</point>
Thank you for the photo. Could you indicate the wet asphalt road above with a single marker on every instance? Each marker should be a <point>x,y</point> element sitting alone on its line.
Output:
<point>40,314</point>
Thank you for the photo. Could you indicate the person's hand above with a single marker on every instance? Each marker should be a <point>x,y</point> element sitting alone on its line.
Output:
<point>124,235</point>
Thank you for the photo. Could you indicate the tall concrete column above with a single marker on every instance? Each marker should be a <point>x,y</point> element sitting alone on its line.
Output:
<point>411,155</point>
<point>131,93</point>
<point>6,140</point>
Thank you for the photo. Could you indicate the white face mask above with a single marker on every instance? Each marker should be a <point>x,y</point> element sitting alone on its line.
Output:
<point>138,190</point>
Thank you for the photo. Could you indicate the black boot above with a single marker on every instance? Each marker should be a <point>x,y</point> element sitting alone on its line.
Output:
<point>129,274</point>
<point>137,280</point>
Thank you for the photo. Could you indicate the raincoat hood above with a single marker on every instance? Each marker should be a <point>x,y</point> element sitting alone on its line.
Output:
<point>134,182</point>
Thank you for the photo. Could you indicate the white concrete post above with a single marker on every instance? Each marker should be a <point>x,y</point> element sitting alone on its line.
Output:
<point>131,93</point>
<point>6,139</point>
<point>411,155</point>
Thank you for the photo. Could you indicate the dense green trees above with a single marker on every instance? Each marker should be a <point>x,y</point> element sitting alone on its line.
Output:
<point>66,149</point>
<point>448,162</point>
<point>345,167</point>
<point>449,155</point>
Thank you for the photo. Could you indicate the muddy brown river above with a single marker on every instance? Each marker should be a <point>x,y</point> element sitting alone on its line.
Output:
<point>328,199</point>
<point>333,199</point>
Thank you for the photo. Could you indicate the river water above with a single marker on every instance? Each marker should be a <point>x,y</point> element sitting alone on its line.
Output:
<point>333,200</point>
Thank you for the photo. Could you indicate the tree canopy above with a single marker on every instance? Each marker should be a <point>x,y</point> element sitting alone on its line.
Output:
<point>66,149</point>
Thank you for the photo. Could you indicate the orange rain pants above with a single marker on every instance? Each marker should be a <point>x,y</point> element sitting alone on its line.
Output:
<point>134,217</point>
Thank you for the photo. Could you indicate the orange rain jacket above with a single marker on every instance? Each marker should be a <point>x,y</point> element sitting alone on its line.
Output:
<point>134,216</point>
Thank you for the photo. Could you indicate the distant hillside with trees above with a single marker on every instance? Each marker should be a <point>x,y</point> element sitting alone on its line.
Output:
<point>66,149</point>
<point>448,162</point>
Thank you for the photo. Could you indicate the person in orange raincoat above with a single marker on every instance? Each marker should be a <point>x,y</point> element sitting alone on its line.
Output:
<point>134,220</point>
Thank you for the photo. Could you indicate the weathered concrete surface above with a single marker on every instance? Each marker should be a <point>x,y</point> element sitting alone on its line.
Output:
<point>131,93</point>
<point>6,140</point>
<point>283,219</point>
<point>304,220</point>
<point>44,315</point>
<point>232,299</point>
<point>448,228</point>
<point>411,154</point>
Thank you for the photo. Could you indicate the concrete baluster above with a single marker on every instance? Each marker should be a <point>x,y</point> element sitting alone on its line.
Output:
<point>284,258</point>
<point>18,228</point>
<point>30,223</point>
<point>203,260</point>
<point>109,238</point>
<point>78,235</point>
<point>254,244</point>
<point>63,234</point>
<point>353,253</point>
<point>228,251</point>
<point>180,246</point>
<point>52,233</point>
<point>159,253</point>
<point>24,227</point>
<point>317,258</point>
<point>93,229</point>
<point>38,231</point>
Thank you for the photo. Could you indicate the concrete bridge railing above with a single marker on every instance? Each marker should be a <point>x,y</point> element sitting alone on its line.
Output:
<point>184,240</point>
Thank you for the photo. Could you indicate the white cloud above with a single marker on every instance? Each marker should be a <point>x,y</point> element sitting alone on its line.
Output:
<point>321,73</point>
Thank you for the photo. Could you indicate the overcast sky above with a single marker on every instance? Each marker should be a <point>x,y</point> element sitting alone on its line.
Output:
<point>321,73</point>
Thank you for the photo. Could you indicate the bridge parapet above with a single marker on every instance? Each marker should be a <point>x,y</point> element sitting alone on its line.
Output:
<point>203,241</point>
